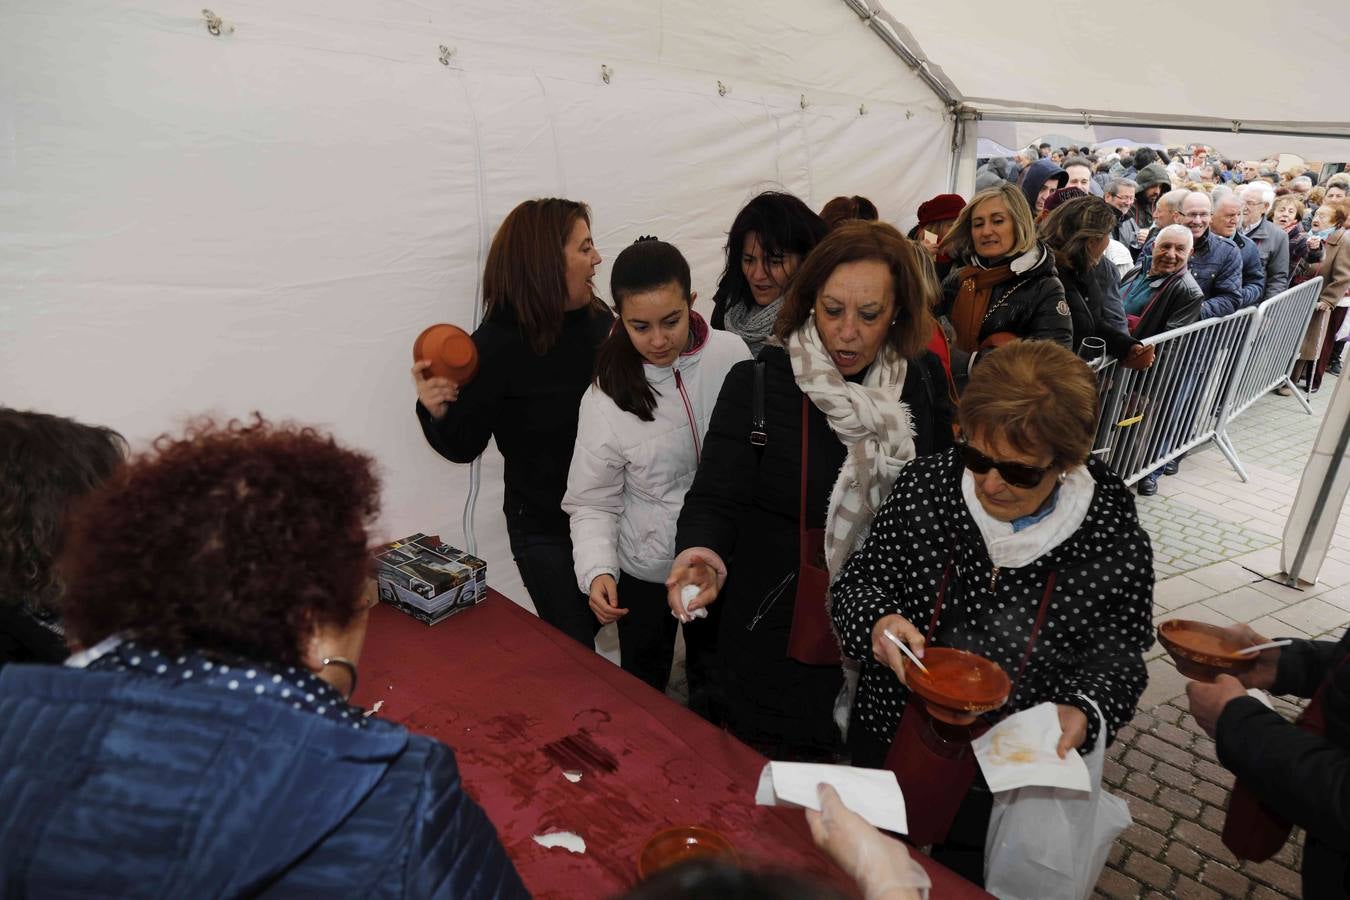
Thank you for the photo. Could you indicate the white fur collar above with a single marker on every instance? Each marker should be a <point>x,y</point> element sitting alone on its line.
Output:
<point>1015,549</point>
<point>1027,261</point>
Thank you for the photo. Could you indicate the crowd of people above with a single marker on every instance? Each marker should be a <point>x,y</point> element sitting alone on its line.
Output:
<point>1254,231</point>
<point>874,437</point>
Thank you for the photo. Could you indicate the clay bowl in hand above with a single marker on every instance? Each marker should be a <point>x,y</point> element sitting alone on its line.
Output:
<point>452,352</point>
<point>676,845</point>
<point>959,685</point>
<point>1202,651</point>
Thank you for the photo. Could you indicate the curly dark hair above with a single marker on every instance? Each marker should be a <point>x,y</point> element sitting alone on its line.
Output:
<point>46,463</point>
<point>236,540</point>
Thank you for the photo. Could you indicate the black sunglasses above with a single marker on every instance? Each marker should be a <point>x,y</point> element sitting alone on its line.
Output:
<point>1019,475</point>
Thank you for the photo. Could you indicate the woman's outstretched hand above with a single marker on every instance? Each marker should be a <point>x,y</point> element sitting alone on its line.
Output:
<point>436,394</point>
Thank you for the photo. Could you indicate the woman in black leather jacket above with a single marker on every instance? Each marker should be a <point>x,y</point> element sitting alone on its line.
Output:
<point>1007,288</point>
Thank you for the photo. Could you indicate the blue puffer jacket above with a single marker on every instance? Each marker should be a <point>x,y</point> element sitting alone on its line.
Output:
<point>1216,264</point>
<point>123,784</point>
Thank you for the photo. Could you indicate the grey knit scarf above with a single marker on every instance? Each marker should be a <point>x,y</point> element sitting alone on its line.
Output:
<point>754,323</point>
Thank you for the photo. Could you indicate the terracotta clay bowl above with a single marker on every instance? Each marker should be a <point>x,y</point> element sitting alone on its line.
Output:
<point>959,684</point>
<point>1203,651</point>
<point>676,845</point>
<point>452,352</point>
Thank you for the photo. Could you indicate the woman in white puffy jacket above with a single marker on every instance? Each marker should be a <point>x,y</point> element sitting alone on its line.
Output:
<point>639,435</point>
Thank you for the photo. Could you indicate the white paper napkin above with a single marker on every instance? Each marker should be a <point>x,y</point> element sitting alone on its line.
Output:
<point>873,794</point>
<point>1020,751</point>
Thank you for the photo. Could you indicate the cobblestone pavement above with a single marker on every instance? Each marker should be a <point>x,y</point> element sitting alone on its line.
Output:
<point>1213,539</point>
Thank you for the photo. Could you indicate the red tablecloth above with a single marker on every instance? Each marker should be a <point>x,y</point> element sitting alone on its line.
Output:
<point>519,702</point>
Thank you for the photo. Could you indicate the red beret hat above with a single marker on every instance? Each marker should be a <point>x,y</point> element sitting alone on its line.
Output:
<point>942,208</point>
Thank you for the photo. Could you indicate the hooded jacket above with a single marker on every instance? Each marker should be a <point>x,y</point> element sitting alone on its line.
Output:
<point>629,477</point>
<point>131,784</point>
<point>1152,174</point>
<point>1035,177</point>
<point>1099,621</point>
<point>991,174</point>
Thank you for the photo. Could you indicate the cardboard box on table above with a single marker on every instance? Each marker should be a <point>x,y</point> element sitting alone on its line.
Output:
<point>428,579</point>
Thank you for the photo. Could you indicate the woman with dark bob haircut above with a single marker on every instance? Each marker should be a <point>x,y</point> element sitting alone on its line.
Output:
<point>46,464</point>
<point>769,238</point>
<point>846,396</point>
<point>1016,545</point>
<point>219,586</point>
<point>537,345</point>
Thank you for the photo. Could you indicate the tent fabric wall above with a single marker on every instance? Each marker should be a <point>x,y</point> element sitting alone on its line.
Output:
<point>265,219</point>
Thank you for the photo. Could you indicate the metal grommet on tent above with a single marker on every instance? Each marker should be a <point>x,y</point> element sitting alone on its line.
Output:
<point>803,101</point>
<point>605,72</point>
<point>722,89</point>
<point>446,53</point>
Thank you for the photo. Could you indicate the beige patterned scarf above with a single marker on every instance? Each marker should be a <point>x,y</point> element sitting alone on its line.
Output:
<point>871,421</point>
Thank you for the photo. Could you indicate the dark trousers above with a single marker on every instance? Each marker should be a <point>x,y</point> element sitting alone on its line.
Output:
<point>545,564</point>
<point>1330,346</point>
<point>963,850</point>
<point>647,642</point>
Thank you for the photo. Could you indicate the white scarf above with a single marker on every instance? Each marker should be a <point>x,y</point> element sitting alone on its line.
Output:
<point>1014,549</point>
<point>870,420</point>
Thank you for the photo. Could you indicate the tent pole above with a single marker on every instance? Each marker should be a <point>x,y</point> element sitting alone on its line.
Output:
<point>920,67</point>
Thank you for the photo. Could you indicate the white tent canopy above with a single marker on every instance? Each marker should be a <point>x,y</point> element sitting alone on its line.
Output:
<point>265,219</point>
<point>1150,64</point>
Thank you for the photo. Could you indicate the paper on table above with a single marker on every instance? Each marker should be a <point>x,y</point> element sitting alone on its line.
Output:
<point>873,794</point>
<point>1020,751</point>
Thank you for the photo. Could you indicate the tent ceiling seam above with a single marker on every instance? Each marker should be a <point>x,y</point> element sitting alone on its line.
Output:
<point>893,34</point>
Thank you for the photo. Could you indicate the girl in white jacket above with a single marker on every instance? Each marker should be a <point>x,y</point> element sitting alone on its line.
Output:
<point>639,435</point>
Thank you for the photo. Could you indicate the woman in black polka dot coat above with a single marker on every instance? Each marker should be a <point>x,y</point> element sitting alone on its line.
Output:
<point>1074,533</point>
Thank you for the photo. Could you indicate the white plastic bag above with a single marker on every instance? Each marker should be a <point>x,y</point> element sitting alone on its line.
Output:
<point>1052,843</point>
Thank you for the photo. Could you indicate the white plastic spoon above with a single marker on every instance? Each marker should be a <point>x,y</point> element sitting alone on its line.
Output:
<point>1268,645</point>
<point>905,649</point>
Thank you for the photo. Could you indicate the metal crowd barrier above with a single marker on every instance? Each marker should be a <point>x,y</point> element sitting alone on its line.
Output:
<point>1205,375</point>
<point>1148,417</point>
<point>1283,321</point>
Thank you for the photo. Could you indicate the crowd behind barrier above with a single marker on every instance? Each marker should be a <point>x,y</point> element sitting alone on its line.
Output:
<point>1206,375</point>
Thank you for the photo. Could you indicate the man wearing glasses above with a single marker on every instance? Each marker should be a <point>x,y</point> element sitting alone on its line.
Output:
<point>1271,241</point>
<point>1216,263</point>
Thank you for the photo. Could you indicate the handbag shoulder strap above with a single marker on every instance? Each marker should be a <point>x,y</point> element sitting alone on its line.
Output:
<point>1035,630</point>
<point>759,437</point>
<point>804,551</point>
